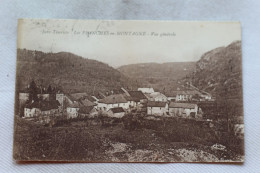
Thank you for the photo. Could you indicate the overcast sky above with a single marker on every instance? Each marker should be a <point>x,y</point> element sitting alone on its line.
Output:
<point>175,42</point>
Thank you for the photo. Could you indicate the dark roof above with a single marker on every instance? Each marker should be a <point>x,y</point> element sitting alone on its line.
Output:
<point>99,95</point>
<point>129,98</point>
<point>44,105</point>
<point>114,99</point>
<point>118,91</point>
<point>70,97</point>
<point>182,105</point>
<point>137,95</point>
<point>79,96</point>
<point>156,104</point>
<point>86,109</point>
<point>90,98</point>
<point>86,102</point>
<point>117,110</point>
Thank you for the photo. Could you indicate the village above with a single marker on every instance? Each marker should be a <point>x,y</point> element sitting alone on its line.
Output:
<point>43,105</point>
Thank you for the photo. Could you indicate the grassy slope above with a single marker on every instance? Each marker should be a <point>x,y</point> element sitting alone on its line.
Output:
<point>90,141</point>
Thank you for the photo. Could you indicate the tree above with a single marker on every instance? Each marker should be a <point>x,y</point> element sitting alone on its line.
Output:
<point>49,90</point>
<point>33,91</point>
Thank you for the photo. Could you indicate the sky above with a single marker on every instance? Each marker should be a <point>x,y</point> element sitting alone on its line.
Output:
<point>120,43</point>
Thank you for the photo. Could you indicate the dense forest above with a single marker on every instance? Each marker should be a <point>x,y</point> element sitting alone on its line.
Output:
<point>70,72</point>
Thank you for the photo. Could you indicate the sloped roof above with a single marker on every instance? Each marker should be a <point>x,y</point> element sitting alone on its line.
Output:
<point>70,97</point>
<point>146,90</point>
<point>75,104</point>
<point>147,96</point>
<point>114,99</point>
<point>117,110</point>
<point>129,98</point>
<point>86,102</point>
<point>78,96</point>
<point>156,104</point>
<point>182,105</point>
<point>90,98</point>
<point>137,95</point>
<point>157,94</point>
<point>86,109</point>
<point>99,95</point>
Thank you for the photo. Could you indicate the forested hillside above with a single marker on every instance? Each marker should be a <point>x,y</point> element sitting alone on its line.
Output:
<point>161,77</point>
<point>71,72</point>
<point>219,72</point>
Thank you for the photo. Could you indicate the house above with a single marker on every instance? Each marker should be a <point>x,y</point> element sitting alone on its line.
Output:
<point>86,103</point>
<point>117,112</point>
<point>157,108</point>
<point>137,97</point>
<point>60,97</point>
<point>23,99</point>
<point>186,110</point>
<point>158,97</point>
<point>186,95</point>
<point>113,101</point>
<point>78,96</point>
<point>72,109</point>
<point>171,96</point>
<point>87,111</point>
<point>146,90</point>
<point>37,108</point>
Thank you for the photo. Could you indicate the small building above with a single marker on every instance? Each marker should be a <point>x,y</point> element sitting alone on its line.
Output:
<point>37,108</point>
<point>185,110</point>
<point>87,111</point>
<point>187,95</point>
<point>146,90</point>
<point>138,97</point>
<point>118,112</point>
<point>87,103</point>
<point>113,101</point>
<point>72,110</point>
<point>158,97</point>
<point>157,108</point>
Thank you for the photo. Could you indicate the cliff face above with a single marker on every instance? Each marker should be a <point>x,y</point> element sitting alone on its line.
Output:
<point>219,72</point>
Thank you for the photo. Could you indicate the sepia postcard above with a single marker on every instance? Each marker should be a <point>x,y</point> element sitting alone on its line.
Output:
<point>128,91</point>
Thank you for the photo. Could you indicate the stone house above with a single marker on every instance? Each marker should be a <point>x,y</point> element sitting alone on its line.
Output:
<point>157,108</point>
<point>185,110</point>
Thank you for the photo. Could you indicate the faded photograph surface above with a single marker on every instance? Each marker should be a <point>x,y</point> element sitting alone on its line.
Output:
<point>128,91</point>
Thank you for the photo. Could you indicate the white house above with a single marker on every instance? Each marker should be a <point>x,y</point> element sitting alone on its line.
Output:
<point>186,95</point>
<point>72,110</point>
<point>38,108</point>
<point>113,101</point>
<point>157,108</point>
<point>146,90</point>
<point>185,110</point>
<point>158,97</point>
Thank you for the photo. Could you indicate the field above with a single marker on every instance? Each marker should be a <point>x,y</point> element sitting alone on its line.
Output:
<point>124,140</point>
